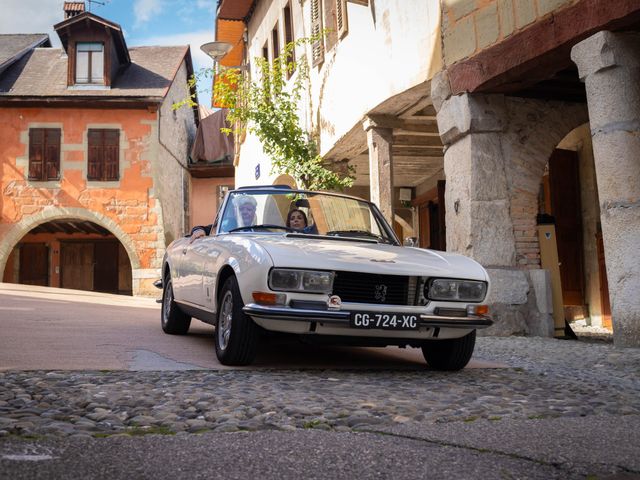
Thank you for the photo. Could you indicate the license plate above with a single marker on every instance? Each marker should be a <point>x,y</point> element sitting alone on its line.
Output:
<point>384,321</point>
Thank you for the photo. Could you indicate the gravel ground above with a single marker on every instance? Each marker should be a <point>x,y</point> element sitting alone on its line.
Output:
<point>546,378</point>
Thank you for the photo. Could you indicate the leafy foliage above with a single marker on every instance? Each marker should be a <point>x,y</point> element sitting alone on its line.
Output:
<point>269,108</point>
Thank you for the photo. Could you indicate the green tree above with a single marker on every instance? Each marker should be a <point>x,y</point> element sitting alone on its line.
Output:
<point>268,108</point>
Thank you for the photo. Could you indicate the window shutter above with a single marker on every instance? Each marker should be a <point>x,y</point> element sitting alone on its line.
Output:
<point>104,154</point>
<point>94,153</point>
<point>341,18</point>
<point>111,168</point>
<point>36,154</point>
<point>52,154</point>
<point>317,47</point>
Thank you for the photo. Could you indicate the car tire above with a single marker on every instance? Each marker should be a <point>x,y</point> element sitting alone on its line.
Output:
<point>236,335</point>
<point>449,354</point>
<point>173,320</point>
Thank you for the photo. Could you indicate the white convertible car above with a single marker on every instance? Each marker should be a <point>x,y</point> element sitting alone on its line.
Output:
<point>326,267</point>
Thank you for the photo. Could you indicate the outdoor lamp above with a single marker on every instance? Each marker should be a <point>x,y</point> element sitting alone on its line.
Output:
<point>216,50</point>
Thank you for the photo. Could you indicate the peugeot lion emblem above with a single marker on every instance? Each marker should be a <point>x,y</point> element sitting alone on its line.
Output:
<point>380,293</point>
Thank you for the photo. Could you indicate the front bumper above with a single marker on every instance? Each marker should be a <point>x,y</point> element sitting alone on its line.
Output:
<point>341,317</point>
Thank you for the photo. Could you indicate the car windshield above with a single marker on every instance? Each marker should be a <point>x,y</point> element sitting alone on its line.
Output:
<point>303,213</point>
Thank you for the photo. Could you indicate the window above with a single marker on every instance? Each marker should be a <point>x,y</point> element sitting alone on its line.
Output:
<point>103,154</point>
<point>44,153</point>
<point>341,18</point>
<point>275,40</point>
<point>288,35</point>
<point>265,52</point>
<point>90,63</point>
<point>317,47</point>
<point>333,14</point>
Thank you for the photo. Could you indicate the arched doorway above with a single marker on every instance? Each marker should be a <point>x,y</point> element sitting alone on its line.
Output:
<point>71,253</point>
<point>569,201</point>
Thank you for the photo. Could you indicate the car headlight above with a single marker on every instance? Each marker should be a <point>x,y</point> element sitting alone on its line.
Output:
<point>456,290</point>
<point>290,280</point>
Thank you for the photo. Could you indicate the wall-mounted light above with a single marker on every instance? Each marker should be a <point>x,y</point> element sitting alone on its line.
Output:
<point>216,50</point>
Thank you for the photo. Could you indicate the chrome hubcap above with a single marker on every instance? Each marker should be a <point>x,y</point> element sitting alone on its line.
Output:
<point>224,320</point>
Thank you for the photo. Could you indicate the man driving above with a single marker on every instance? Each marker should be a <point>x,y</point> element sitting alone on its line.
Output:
<point>242,213</point>
<point>247,207</point>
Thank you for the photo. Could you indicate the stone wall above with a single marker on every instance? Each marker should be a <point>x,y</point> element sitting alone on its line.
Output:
<point>469,26</point>
<point>170,157</point>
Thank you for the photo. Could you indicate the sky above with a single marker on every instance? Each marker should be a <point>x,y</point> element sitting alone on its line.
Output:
<point>144,22</point>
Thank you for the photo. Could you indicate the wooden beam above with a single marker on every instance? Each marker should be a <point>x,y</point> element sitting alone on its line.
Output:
<point>390,121</point>
<point>421,140</point>
<point>414,151</point>
<point>548,46</point>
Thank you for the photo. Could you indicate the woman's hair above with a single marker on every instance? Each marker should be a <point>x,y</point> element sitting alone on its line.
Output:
<point>304,216</point>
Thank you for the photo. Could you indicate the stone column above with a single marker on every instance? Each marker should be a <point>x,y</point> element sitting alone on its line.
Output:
<point>609,64</point>
<point>476,199</point>
<point>477,203</point>
<point>380,140</point>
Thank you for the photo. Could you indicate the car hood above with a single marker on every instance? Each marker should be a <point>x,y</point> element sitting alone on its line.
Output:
<point>333,254</point>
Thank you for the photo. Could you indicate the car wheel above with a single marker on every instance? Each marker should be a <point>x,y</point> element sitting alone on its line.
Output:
<point>450,354</point>
<point>174,321</point>
<point>236,334</point>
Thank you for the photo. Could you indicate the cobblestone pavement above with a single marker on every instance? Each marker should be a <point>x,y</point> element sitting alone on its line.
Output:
<point>546,378</point>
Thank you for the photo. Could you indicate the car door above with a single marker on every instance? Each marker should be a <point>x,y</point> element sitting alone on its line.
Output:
<point>191,269</point>
<point>211,267</point>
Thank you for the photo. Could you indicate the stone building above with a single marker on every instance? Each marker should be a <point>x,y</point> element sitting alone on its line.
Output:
<point>506,130</point>
<point>524,140</point>
<point>93,157</point>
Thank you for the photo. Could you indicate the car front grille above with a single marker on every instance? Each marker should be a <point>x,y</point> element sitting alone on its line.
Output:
<point>373,288</point>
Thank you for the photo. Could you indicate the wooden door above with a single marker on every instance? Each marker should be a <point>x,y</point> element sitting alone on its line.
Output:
<point>124,271</point>
<point>397,228</point>
<point>431,217</point>
<point>76,265</point>
<point>424,237</point>
<point>34,264</point>
<point>605,303</point>
<point>105,271</point>
<point>564,185</point>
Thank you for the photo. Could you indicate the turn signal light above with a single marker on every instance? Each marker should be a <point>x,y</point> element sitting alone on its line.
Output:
<point>266,298</point>
<point>477,309</point>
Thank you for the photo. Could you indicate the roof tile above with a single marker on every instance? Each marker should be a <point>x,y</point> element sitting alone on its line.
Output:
<point>43,73</point>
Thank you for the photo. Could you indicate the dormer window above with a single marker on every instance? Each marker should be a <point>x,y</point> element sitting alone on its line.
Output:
<point>97,52</point>
<point>90,63</point>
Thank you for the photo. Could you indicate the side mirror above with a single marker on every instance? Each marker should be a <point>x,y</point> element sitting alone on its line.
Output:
<point>411,242</point>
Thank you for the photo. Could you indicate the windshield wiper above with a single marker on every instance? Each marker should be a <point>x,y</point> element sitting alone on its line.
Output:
<point>260,227</point>
<point>364,233</point>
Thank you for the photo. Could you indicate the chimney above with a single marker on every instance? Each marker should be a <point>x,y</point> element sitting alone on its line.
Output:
<point>71,9</point>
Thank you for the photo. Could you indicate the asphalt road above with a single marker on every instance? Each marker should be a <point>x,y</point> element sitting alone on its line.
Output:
<point>58,329</point>
<point>604,448</point>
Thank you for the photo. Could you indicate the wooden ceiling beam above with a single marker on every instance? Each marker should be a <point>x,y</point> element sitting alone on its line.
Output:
<point>416,151</point>
<point>390,121</point>
<point>421,140</point>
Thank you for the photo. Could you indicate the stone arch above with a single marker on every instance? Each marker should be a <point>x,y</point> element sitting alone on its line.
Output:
<point>535,129</point>
<point>405,225</point>
<point>285,179</point>
<point>50,213</point>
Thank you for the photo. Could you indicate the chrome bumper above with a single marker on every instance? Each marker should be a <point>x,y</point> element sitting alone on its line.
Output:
<point>342,317</point>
